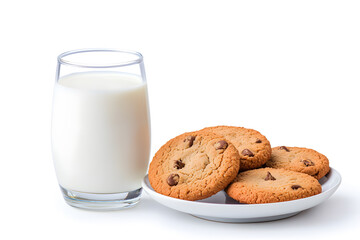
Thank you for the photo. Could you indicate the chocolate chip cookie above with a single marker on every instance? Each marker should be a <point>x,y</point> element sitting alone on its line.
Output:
<point>253,147</point>
<point>194,166</point>
<point>269,185</point>
<point>300,160</point>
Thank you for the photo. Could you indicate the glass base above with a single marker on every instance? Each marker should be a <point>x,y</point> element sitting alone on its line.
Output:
<point>101,201</point>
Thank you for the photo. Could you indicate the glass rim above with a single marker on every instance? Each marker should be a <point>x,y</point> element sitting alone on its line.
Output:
<point>138,60</point>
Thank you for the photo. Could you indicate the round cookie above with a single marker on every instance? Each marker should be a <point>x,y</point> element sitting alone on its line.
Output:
<point>194,166</point>
<point>253,147</point>
<point>269,185</point>
<point>300,160</point>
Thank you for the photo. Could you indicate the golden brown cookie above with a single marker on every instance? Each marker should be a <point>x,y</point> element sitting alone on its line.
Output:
<point>194,166</point>
<point>300,160</point>
<point>253,147</point>
<point>269,185</point>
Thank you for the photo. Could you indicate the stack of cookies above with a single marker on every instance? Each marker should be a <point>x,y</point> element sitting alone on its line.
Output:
<point>197,165</point>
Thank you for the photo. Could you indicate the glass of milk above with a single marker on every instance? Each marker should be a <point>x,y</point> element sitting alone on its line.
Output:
<point>100,128</point>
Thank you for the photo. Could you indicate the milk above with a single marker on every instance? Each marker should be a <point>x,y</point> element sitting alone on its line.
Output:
<point>100,132</point>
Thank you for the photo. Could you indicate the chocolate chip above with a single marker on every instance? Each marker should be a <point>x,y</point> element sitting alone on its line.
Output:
<point>173,179</point>
<point>190,140</point>
<point>247,152</point>
<point>269,177</point>
<point>284,148</point>
<point>258,141</point>
<point>221,145</point>
<point>179,164</point>
<point>308,162</point>
<point>295,187</point>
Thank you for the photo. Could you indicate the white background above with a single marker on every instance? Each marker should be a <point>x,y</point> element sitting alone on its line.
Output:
<point>286,68</point>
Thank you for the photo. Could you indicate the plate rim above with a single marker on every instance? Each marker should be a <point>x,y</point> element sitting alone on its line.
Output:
<point>231,205</point>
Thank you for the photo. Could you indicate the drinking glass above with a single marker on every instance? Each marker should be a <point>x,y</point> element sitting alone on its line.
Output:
<point>100,128</point>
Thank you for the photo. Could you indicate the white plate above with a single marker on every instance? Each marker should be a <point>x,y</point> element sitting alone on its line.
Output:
<point>220,207</point>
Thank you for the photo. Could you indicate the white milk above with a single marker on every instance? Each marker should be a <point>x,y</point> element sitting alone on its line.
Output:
<point>100,132</point>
